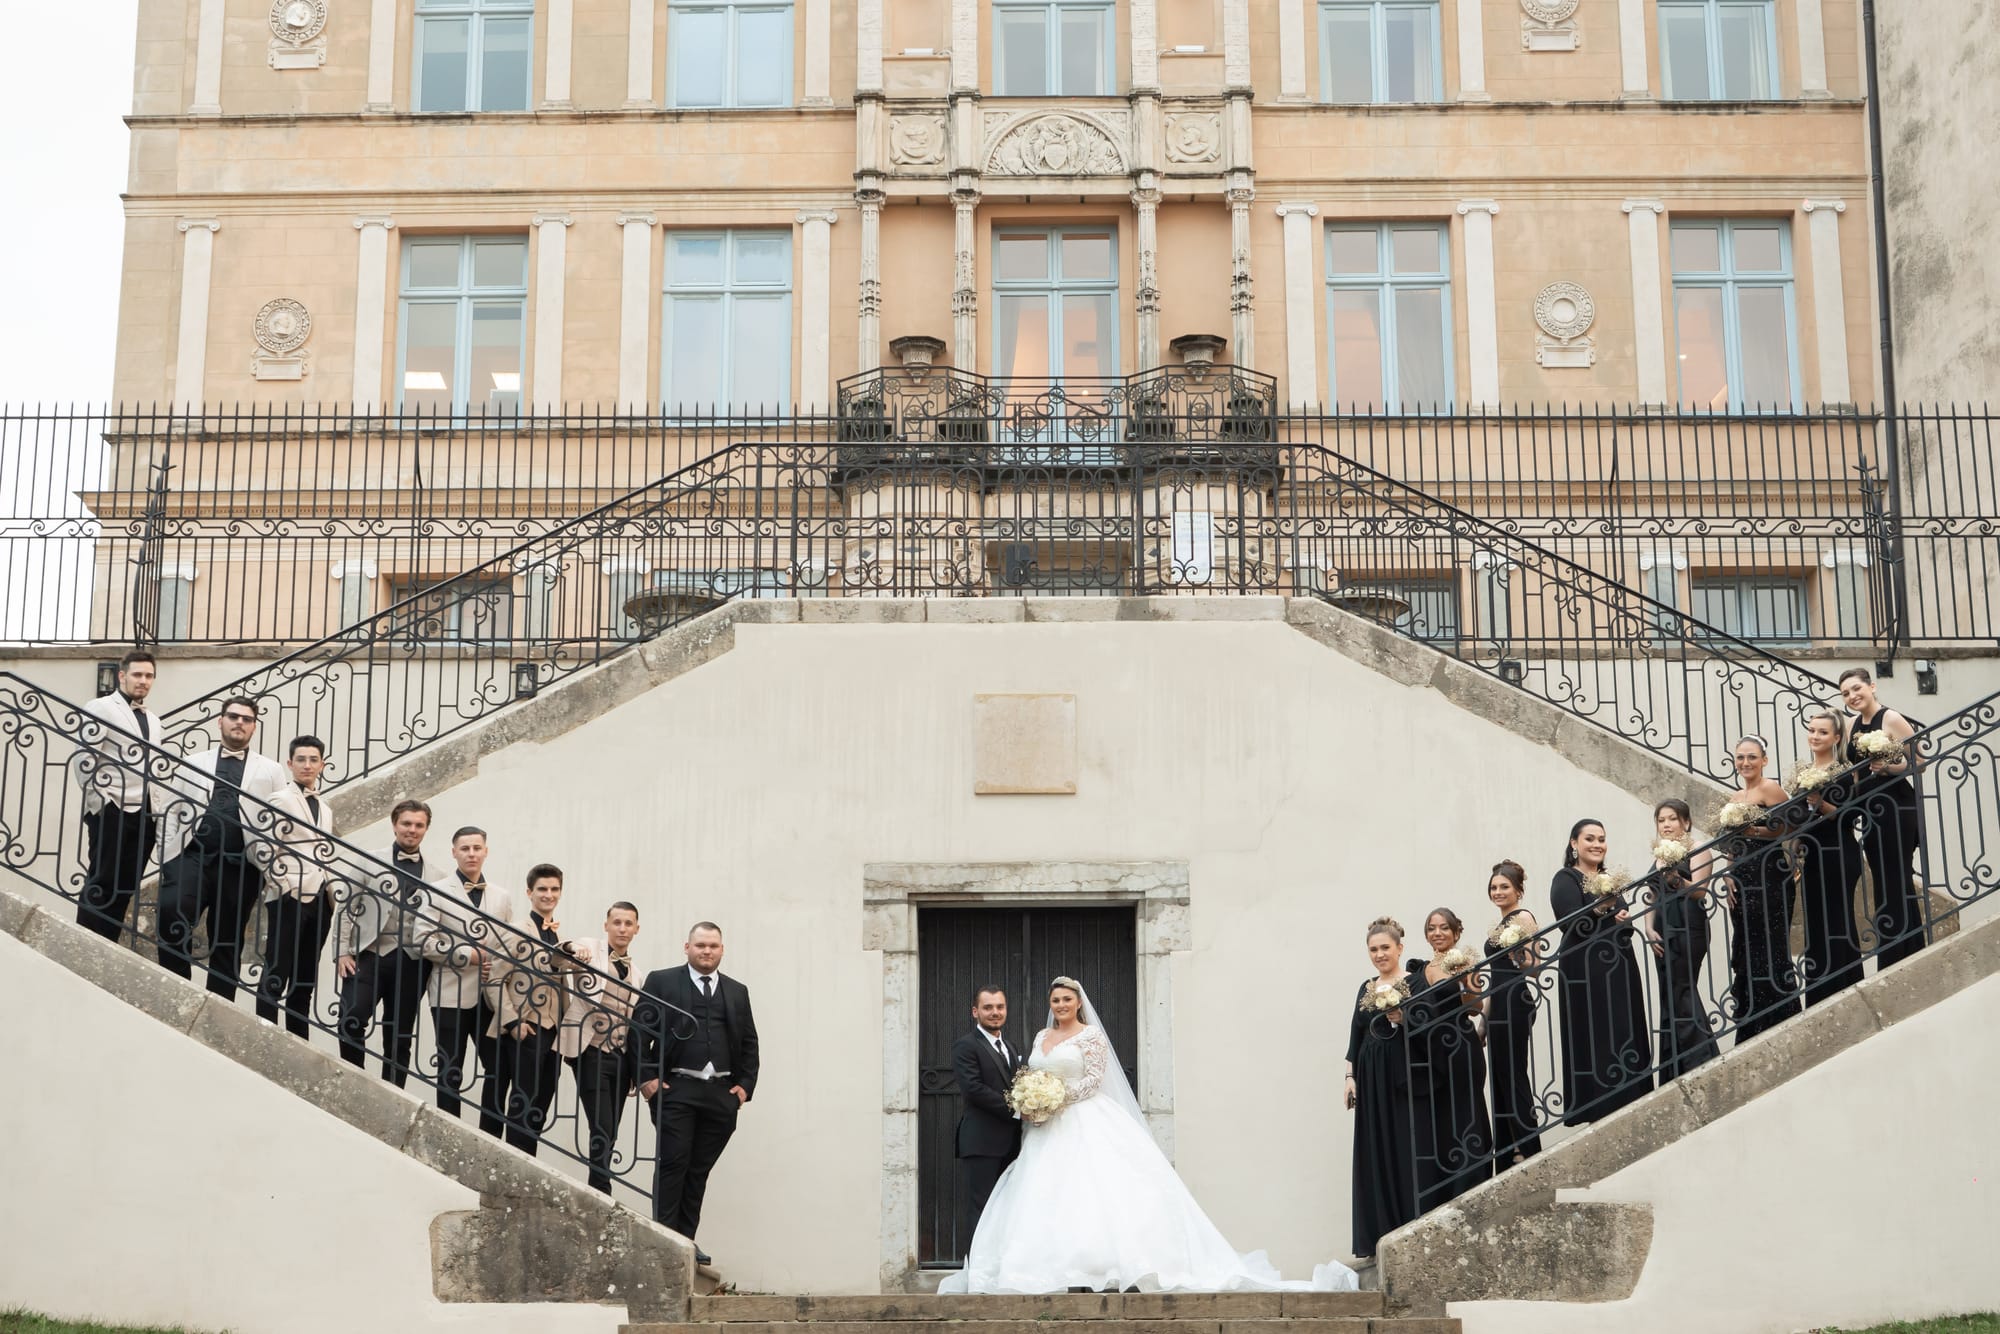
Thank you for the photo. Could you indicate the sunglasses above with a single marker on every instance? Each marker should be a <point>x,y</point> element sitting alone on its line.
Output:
<point>239,717</point>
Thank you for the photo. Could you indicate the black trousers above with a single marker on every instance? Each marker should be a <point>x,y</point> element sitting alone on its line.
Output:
<point>121,843</point>
<point>529,1068</point>
<point>208,882</point>
<point>394,984</point>
<point>603,1081</point>
<point>294,934</point>
<point>696,1117</point>
<point>456,1028</point>
<point>978,1175</point>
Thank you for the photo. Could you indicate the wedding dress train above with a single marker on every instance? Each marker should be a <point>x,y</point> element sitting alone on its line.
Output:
<point>1093,1203</point>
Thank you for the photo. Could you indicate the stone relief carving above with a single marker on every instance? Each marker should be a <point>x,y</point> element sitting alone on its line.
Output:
<point>298,30</point>
<point>281,331</point>
<point>1055,144</point>
<point>1194,136</point>
<point>1564,312</point>
<point>1549,25</point>
<point>917,140</point>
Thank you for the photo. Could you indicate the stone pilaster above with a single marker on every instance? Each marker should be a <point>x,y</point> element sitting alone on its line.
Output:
<point>1649,316</point>
<point>1482,312</point>
<point>371,310</point>
<point>819,54</point>
<point>869,329</point>
<point>551,253</point>
<point>1632,64</point>
<point>964,292</point>
<point>816,308</point>
<point>1829,299</point>
<point>1812,49</point>
<point>1472,51</point>
<point>208,59</point>
<point>639,56</point>
<point>1301,292</point>
<point>635,310</point>
<point>1292,51</point>
<point>561,20</point>
<point>1242,298</point>
<point>197,271</point>
<point>381,56</point>
<point>1146,208</point>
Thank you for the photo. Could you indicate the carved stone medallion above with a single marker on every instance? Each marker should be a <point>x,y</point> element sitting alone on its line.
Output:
<point>1194,136</point>
<point>298,30</point>
<point>1548,13</point>
<point>1549,25</point>
<point>1055,144</point>
<point>1565,312</point>
<point>917,141</point>
<point>281,331</point>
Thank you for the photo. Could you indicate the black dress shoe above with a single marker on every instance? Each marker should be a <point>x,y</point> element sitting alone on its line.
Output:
<point>701,1257</point>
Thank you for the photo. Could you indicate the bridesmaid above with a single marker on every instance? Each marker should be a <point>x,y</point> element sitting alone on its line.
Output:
<point>1606,1055</point>
<point>1378,1093</point>
<point>1892,830</point>
<point>1510,1017</point>
<point>1677,933</point>
<point>1763,985</point>
<point>1454,1144</point>
<point>1830,867</point>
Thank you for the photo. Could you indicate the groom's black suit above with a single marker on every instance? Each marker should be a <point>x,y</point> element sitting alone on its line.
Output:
<point>695,1116</point>
<point>989,1136</point>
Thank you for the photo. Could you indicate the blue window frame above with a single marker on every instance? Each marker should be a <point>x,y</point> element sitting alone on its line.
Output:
<point>1735,325</point>
<point>473,55</point>
<point>729,53</point>
<point>1380,51</point>
<point>726,325</point>
<point>1389,322</point>
<point>1054,48</point>
<point>461,323</point>
<point>1718,50</point>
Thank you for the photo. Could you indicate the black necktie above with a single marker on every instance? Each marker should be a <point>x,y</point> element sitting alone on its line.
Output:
<point>624,967</point>
<point>707,987</point>
<point>1006,1057</point>
<point>139,716</point>
<point>312,804</point>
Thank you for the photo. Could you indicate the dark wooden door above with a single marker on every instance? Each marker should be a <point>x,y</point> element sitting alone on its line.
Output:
<point>1020,950</point>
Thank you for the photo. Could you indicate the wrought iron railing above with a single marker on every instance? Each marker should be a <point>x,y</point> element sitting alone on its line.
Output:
<point>57,764</point>
<point>1630,991</point>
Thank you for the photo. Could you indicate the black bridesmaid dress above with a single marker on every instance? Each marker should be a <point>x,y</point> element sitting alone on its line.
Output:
<point>1763,985</point>
<point>1511,1001</point>
<point>1830,862</point>
<point>1892,834</point>
<point>1607,1056</point>
<point>1454,1141</point>
<point>1687,1038</point>
<point>1384,1185</point>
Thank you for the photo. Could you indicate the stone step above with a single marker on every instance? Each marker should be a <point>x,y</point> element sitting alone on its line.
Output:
<point>1049,1306</point>
<point>1346,1324</point>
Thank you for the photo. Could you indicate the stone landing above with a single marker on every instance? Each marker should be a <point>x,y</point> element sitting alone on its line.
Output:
<point>1102,1313</point>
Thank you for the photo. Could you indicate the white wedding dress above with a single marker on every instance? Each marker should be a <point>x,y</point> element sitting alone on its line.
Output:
<point>1093,1203</point>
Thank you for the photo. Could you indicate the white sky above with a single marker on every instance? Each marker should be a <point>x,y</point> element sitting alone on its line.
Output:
<point>65,84</point>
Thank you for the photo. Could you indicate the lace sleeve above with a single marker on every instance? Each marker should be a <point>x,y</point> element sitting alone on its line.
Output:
<point>1096,1054</point>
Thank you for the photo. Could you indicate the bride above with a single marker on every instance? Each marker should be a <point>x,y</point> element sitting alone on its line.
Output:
<point>1092,1202</point>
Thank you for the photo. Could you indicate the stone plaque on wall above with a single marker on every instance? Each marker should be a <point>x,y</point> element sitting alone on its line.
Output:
<point>1024,744</point>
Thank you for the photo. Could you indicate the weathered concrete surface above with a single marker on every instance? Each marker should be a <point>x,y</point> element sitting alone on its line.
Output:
<point>1051,1306</point>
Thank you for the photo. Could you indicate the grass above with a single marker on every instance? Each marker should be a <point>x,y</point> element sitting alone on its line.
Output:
<point>27,1322</point>
<point>1951,1324</point>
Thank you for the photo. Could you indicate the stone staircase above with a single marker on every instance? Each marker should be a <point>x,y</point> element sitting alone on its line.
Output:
<point>1100,1313</point>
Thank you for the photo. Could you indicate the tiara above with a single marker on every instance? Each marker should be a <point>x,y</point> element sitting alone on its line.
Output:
<point>1069,982</point>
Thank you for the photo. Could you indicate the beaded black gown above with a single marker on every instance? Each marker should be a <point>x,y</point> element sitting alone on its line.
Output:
<point>1829,860</point>
<point>1892,834</point>
<point>1384,1185</point>
<point>1453,1145</point>
<point>1763,985</point>
<point>1607,1054</point>
<point>1511,1002</point>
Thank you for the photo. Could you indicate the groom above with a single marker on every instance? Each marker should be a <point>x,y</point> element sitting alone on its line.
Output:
<point>989,1133</point>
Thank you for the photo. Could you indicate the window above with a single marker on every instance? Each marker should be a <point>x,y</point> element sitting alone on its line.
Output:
<point>1052,48</point>
<point>473,55</point>
<point>176,602</point>
<point>466,611</point>
<point>1433,599</point>
<point>727,328</point>
<point>464,309</point>
<point>1733,317</point>
<point>1379,51</point>
<point>1763,608</point>
<point>729,53</point>
<point>1718,50</point>
<point>1055,318</point>
<point>355,582</point>
<point>1662,583</point>
<point>1389,316</point>
<point>1847,572</point>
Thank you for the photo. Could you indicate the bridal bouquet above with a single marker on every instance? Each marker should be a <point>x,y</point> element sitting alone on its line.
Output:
<point>1811,778</point>
<point>1878,746</point>
<point>1670,852</point>
<point>1037,1095</point>
<point>1736,814</point>
<point>1381,997</point>
<point>1508,934</point>
<point>1607,884</point>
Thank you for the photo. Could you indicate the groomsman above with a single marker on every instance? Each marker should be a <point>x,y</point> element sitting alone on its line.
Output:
<point>989,1131</point>
<point>205,869</point>
<point>120,803</point>
<point>298,902</point>
<point>596,1033</point>
<point>532,992</point>
<point>378,944</point>
<point>460,948</point>
<point>696,1084</point>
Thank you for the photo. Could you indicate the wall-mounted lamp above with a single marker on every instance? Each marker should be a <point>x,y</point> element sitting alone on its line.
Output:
<point>107,678</point>
<point>1926,676</point>
<point>526,680</point>
<point>1884,668</point>
<point>1513,671</point>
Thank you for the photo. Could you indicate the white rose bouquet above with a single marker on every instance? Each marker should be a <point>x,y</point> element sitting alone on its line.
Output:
<point>1606,884</point>
<point>1380,997</point>
<point>1037,1095</point>
<point>1878,746</point>
<point>1809,778</point>
<point>1670,852</point>
<point>1507,935</point>
<point>1455,960</point>
<point>1735,814</point>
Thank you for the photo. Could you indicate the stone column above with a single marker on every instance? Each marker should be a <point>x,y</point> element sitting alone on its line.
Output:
<point>1829,300</point>
<point>1812,49</point>
<point>635,310</point>
<point>208,60</point>
<point>1301,329</point>
<point>1236,43</point>
<point>639,56</point>
<point>1472,51</point>
<point>868,46</point>
<point>555,78</point>
<point>965,46</point>
<point>869,329</point>
<point>1632,49</point>
<point>819,54</point>
<point>191,352</point>
<point>381,56</point>
<point>816,308</point>
<point>1649,317</point>
<point>1145,46</point>
<point>1146,205</point>
<point>964,295</point>
<point>1242,299</point>
<point>551,250</point>
<point>1292,51</point>
<point>1482,311</point>
<point>371,281</point>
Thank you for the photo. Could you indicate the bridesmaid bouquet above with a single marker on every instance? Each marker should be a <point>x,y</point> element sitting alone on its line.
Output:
<point>1037,1095</point>
<point>1607,884</point>
<point>1670,852</point>
<point>1736,814</point>
<point>1455,960</point>
<point>1382,997</point>
<point>1507,935</point>
<point>1811,777</point>
<point>1878,746</point>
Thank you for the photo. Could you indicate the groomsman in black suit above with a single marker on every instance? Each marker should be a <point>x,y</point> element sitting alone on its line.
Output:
<point>989,1132</point>
<point>696,1083</point>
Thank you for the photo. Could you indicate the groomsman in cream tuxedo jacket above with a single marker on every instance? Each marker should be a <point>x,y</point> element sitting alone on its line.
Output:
<point>298,902</point>
<point>596,1033</point>
<point>463,949</point>
<point>378,936</point>
<point>205,867</point>
<point>120,802</point>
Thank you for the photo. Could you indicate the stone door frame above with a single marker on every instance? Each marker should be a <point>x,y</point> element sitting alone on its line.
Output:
<point>892,893</point>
